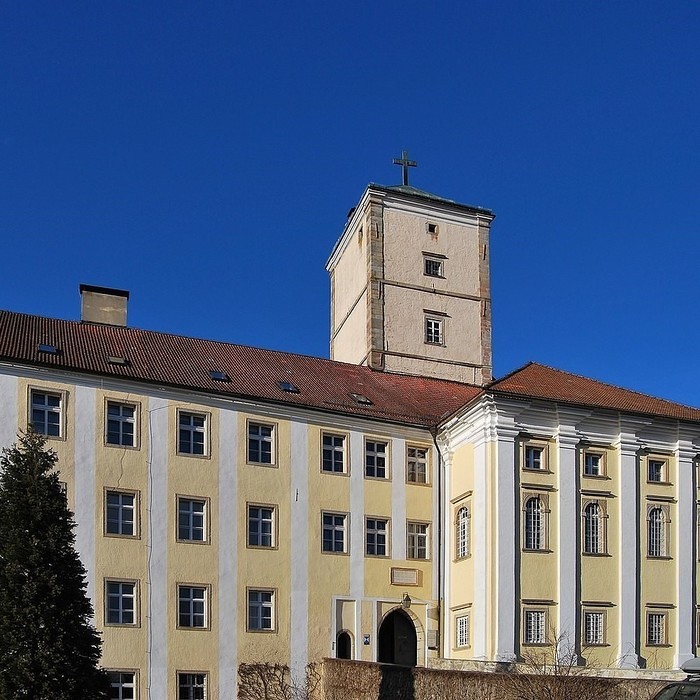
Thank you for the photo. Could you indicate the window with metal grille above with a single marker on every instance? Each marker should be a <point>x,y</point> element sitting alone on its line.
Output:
<point>656,526</point>
<point>593,531</point>
<point>593,628</point>
<point>534,523</point>
<point>535,627</point>
<point>463,534</point>
<point>656,628</point>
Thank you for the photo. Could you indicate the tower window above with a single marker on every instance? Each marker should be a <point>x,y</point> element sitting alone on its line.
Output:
<point>432,229</point>
<point>434,331</point>
<point>432,267</point>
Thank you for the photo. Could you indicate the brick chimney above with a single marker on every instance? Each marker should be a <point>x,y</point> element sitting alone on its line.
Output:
<point>103,305</point>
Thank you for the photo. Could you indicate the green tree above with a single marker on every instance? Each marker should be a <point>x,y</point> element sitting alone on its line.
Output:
<point>48,646</point>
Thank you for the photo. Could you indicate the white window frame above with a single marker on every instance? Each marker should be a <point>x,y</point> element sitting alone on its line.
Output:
<point>656,628</point>
<point>196,521</point>
<point>333,454</point>
<point>433,266</point>
<point>196,597</point>
<point>593,464</point>
<point>190,429</point>
<point>123,680</point>
<point>336,526</point>
<point>657,470</point>
<point>376,459</point>
<point>194,684</point>
<point>434,330</point>
<point>46,407</point>
<point>535,523</point>
<point>266,526</point>
<point>593,627</point>
<point>534,457</point>
<point>462,630</point>
<point>120,421</point>
<point>125,594</point>
<point>658,531</point>
<point>534,627</point>
<point>463,520</point>
<point>376,536</point>
<point>262,601</point>
<point>594,538</point>
<point>417,540</point>
<point>120,513</point>
<point>261,439</point>
<point>417,464</point>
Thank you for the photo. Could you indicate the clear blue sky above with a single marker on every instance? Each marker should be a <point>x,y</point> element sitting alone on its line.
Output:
<point>203,155</point>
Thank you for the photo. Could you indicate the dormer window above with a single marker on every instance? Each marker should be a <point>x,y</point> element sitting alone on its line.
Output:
<point>47,348</point>
<point>361,399</point>
<point>219,376</point>
<point>288,387</point>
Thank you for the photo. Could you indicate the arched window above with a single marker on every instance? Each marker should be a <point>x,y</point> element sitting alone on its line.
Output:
<point>534,523</point>
<point>656,541</point>
<point>343,647</point>
<point>593,541</point>
<point>463,534</point>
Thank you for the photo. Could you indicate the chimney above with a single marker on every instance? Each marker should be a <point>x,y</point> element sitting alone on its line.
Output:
<point>103,305</point>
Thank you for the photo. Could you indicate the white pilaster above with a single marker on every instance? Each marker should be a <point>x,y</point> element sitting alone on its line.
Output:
<point>156,516</point>
<point>84,437</point>
<point>8,410</point>
<point>685,546</point>
<point>448,539</point>
<point>357,517</point>
<point>300,550</point>
<point>228,548</point>
<point>628,547</point>
<point>567,538</point>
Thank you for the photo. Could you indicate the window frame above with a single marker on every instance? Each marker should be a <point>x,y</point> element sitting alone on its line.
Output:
<point>205,519</point>
<point>343,528</point>
<point>333,449</point>
<point>586,613</point>
<point>206,614</point>
<point>121,597</point>
<point>135,511</point>
<point>191,687</point>
<point>425,460</point>
<point>134,422</point>
<point>273,526</point>
<point>543,448</point>
<point>272,604</point>
<point>124,672</point>
<point>376,532</point>
<point>541,627</point>
<point>413,546</point>
<point>62,396</point>
<point>601,466</point>
<point>261,439</point>
<point>386,456</point>
<point>462,638</point>
<point>463,549</point>
<point>663,463</point>
<point>434,330</point>
<point>193,430</point>
<point>543,526</point>
<point>595,541</point>
<point>664,531</point>
<point>430,259</point>
<point>662,614</point>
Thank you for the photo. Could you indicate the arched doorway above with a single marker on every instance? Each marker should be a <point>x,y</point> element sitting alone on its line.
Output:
<point>343,646</point>
<point>398,643</point>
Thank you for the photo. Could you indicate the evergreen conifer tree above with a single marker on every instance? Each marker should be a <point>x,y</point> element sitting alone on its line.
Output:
<point>49,649</point>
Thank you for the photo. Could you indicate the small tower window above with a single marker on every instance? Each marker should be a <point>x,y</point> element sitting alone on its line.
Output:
<point>432,229</point>
<point>432,267</point>
<point>434,331</point>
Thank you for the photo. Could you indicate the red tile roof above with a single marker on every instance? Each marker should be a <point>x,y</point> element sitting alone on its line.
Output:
<point>542,382</point>
<point>177,361</point>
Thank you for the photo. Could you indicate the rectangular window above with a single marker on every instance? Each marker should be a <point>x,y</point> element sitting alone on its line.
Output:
<point>192,435</point>
<point>334,527</point>
<point>656,629</point>
<point>462,631</point>
<point>376,536</point>
<point>535,627</point>
<point>120,424</point>
<point>534,457</point>
<point>260,443</point>
<point>333,453</point>
<point>433,331</point>
<point>261,526</point>
<point>593,628</point>
<point>120,602</point>
<point>192,606</point>
<point>656,470</point>
<point>432,267</point>
<point>375,459</point>
<point>417,540</point>
<point>191,520</point>
<point>261,610</point>
<point>417,465</point>
<point>120,513</point>
<point>122,685</point>
<point>191,686</point>
<point>592,464</point>
<point>46,413</point>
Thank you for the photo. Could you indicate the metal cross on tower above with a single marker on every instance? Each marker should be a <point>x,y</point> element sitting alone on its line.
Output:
<point>405,164</point>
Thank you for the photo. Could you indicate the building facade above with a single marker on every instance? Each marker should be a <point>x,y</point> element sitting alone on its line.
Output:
<point>237,505</point>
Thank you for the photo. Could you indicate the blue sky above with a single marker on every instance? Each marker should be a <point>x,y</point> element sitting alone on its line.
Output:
<point>204,156</point>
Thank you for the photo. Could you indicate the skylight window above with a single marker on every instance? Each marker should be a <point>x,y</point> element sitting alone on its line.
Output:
<point>361,398</point>
<point>47,348</point>
<point>117,360</point>
<point>219,376</point>
<point>288,387</point>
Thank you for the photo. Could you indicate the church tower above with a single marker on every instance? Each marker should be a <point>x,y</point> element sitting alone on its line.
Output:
<point>410,289</point>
